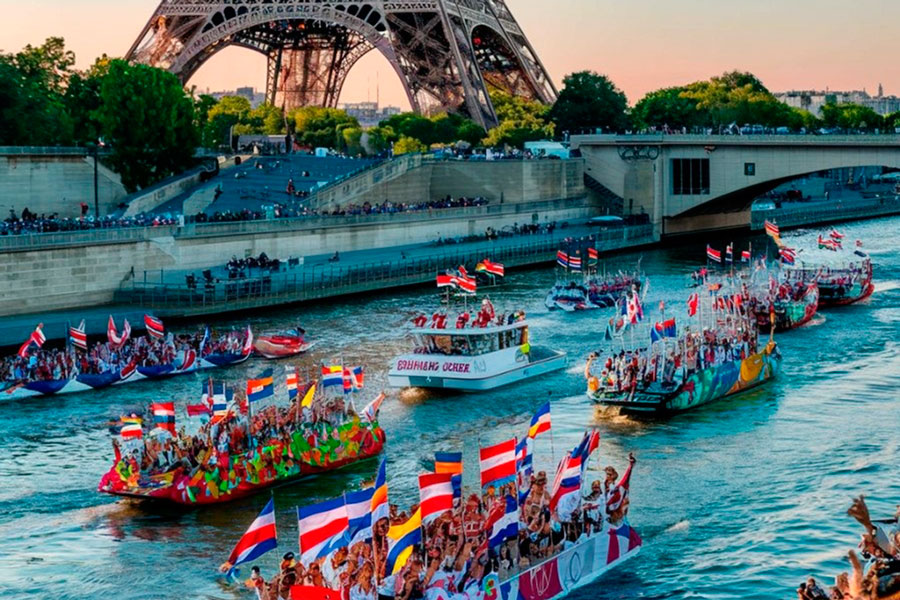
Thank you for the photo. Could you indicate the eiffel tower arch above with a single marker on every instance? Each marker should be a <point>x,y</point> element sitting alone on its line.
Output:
<point>447,53</point>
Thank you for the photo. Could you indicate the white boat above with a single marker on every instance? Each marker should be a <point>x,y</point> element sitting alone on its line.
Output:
<point>472,358</point>
<point>580,565</point>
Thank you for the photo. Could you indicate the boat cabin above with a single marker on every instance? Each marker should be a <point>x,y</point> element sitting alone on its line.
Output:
<point>471,341</point>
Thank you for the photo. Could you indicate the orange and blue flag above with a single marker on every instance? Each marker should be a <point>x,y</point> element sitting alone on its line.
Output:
<point>448,462</point>
<point>261,387</point>
<point>380,508</point>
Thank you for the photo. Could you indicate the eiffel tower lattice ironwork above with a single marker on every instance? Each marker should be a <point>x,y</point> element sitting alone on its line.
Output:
<point>447,53</point>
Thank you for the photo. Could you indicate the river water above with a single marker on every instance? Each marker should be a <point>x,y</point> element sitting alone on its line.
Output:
<point>739,499</point>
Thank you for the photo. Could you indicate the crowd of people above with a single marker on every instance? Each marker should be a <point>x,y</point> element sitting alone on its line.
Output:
<point>30,222</point>
<point>877,575</point>
<point>54,364</point>
<point>455,556</point>
<point>667,365</point>
<point>467,345</point>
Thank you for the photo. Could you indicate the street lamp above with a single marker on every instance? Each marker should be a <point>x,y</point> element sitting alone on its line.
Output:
<point>94,151</point>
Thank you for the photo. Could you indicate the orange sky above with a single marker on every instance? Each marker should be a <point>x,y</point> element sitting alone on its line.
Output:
<point>640,45</point>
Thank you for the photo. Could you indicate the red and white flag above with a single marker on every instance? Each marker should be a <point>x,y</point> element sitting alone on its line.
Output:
<point>498,463</point>
<point>154,326</point>
<point>435,495</point>
<point>713,254</point>
<point>772,229</point>
<point>37,338</point>
<point>77,336</point>
<point>494,268</point>
<point>115,339</point>
<point>447,281</point>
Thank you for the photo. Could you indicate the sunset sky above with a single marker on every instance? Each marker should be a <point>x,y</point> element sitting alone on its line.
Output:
<point>641,46</point>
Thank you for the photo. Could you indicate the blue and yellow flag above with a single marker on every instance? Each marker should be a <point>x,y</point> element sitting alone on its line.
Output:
<point>402,539</point>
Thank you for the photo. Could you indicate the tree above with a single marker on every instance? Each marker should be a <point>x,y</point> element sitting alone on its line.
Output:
<point>315,126</point>
<point>521,121</point>
<point>228,112</point>
<point>666,107</point>
<point>353,140</point>
<point>892,121</point>
<point>407,145</point>
<point>589,101</point>
<point>851,116</point>
<point>377,140</point>
<point>82,99</point>
<point>148,120</point>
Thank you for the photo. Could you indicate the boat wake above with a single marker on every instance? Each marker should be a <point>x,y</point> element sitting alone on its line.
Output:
<point>682,525</point>
<point>886,286</point>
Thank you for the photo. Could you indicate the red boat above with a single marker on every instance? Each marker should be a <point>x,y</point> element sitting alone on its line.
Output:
<point>281,345</point>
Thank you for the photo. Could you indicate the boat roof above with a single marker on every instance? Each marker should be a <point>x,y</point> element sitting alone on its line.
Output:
<point>470,331</point>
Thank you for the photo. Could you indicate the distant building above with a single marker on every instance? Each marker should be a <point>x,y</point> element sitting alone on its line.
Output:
<point>250,93</point>
<point>369,114</point>
<point>814,100</point>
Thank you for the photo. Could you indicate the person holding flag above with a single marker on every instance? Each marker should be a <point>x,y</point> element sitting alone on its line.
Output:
<point>259,538</point>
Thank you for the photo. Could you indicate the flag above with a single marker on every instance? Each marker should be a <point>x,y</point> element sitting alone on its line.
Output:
<point>465,282</point>
<point>78,337</point>
<point>835,234</point>
<point>196,410</point>
<point>713,254</point>
<point>324,527</point>
<point>435,495</point>
<point>352,379</point>
<point>447,281</point>
<point>154,326</point>
<point>293,382</point>
<point>312,592</point>
<point>492,268</point>
<point>401,540</point>
<point>828,244</point>
<point>503,524</point>
<point>562,259</point>
<point>745,256</point>
<point>540,422</point>
<point>370,412</point>
<point>115,339</point>
<point>380,508</point>
<point>37,338</point>
<point>692,303</point>
<point>332,376</point>
<point>131,427</point>
<point>259,538</point>
<point>568,476</point>
<point>164,415</point>
<point>359,514</point>
<point>593,255</point>
<point>592,443</point>
<point>788,255</point>
<point>662,330</point>
<point>498,463</point>
<point>448,462</point>
<point>729,253</point>
<point>634,310</point>
<point>772,229</point>
<point>575,263</point>
<point>217,397</point>
<point>524,459</point>
<point>308,396</point>
<point>622,540</point>
<point>260,387</point>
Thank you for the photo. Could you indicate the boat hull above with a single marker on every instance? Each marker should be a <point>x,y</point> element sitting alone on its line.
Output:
<point>832,296</point>
<point>280,346</point>
<point>355,440</point>
<point>476,379</point>
<point>580,565</point>
<point>793,314</point>
<point>701,388</point>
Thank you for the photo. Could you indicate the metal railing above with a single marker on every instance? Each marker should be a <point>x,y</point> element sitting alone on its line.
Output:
<point>327,280</point>
<point>838,210</point>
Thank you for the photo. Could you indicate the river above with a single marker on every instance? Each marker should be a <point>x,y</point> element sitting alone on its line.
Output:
<point>739,499</point>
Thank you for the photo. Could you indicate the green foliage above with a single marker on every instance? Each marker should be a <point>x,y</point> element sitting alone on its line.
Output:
<point>320,127</point>
<point>442,128</point>
<point>406,145</point>
<point>352,142</point>
<point>851,116</point>
<point>378,139</point>
<point>148,120</point>
<point>734,97</point>
<point>892,121</point>
<point>228,112</point>
<point>521,121</point>
<point>589,101</point>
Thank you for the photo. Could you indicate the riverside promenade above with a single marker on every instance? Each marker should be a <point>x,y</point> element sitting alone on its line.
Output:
<point>168,294</point>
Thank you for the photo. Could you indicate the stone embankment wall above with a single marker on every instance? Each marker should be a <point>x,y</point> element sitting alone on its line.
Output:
<point>67,272</point>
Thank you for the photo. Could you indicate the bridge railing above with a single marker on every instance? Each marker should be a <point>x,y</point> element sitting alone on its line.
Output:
<point>155,289</point>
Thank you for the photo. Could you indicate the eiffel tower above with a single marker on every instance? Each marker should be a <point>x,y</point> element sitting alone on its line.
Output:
<point>447,53</point>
